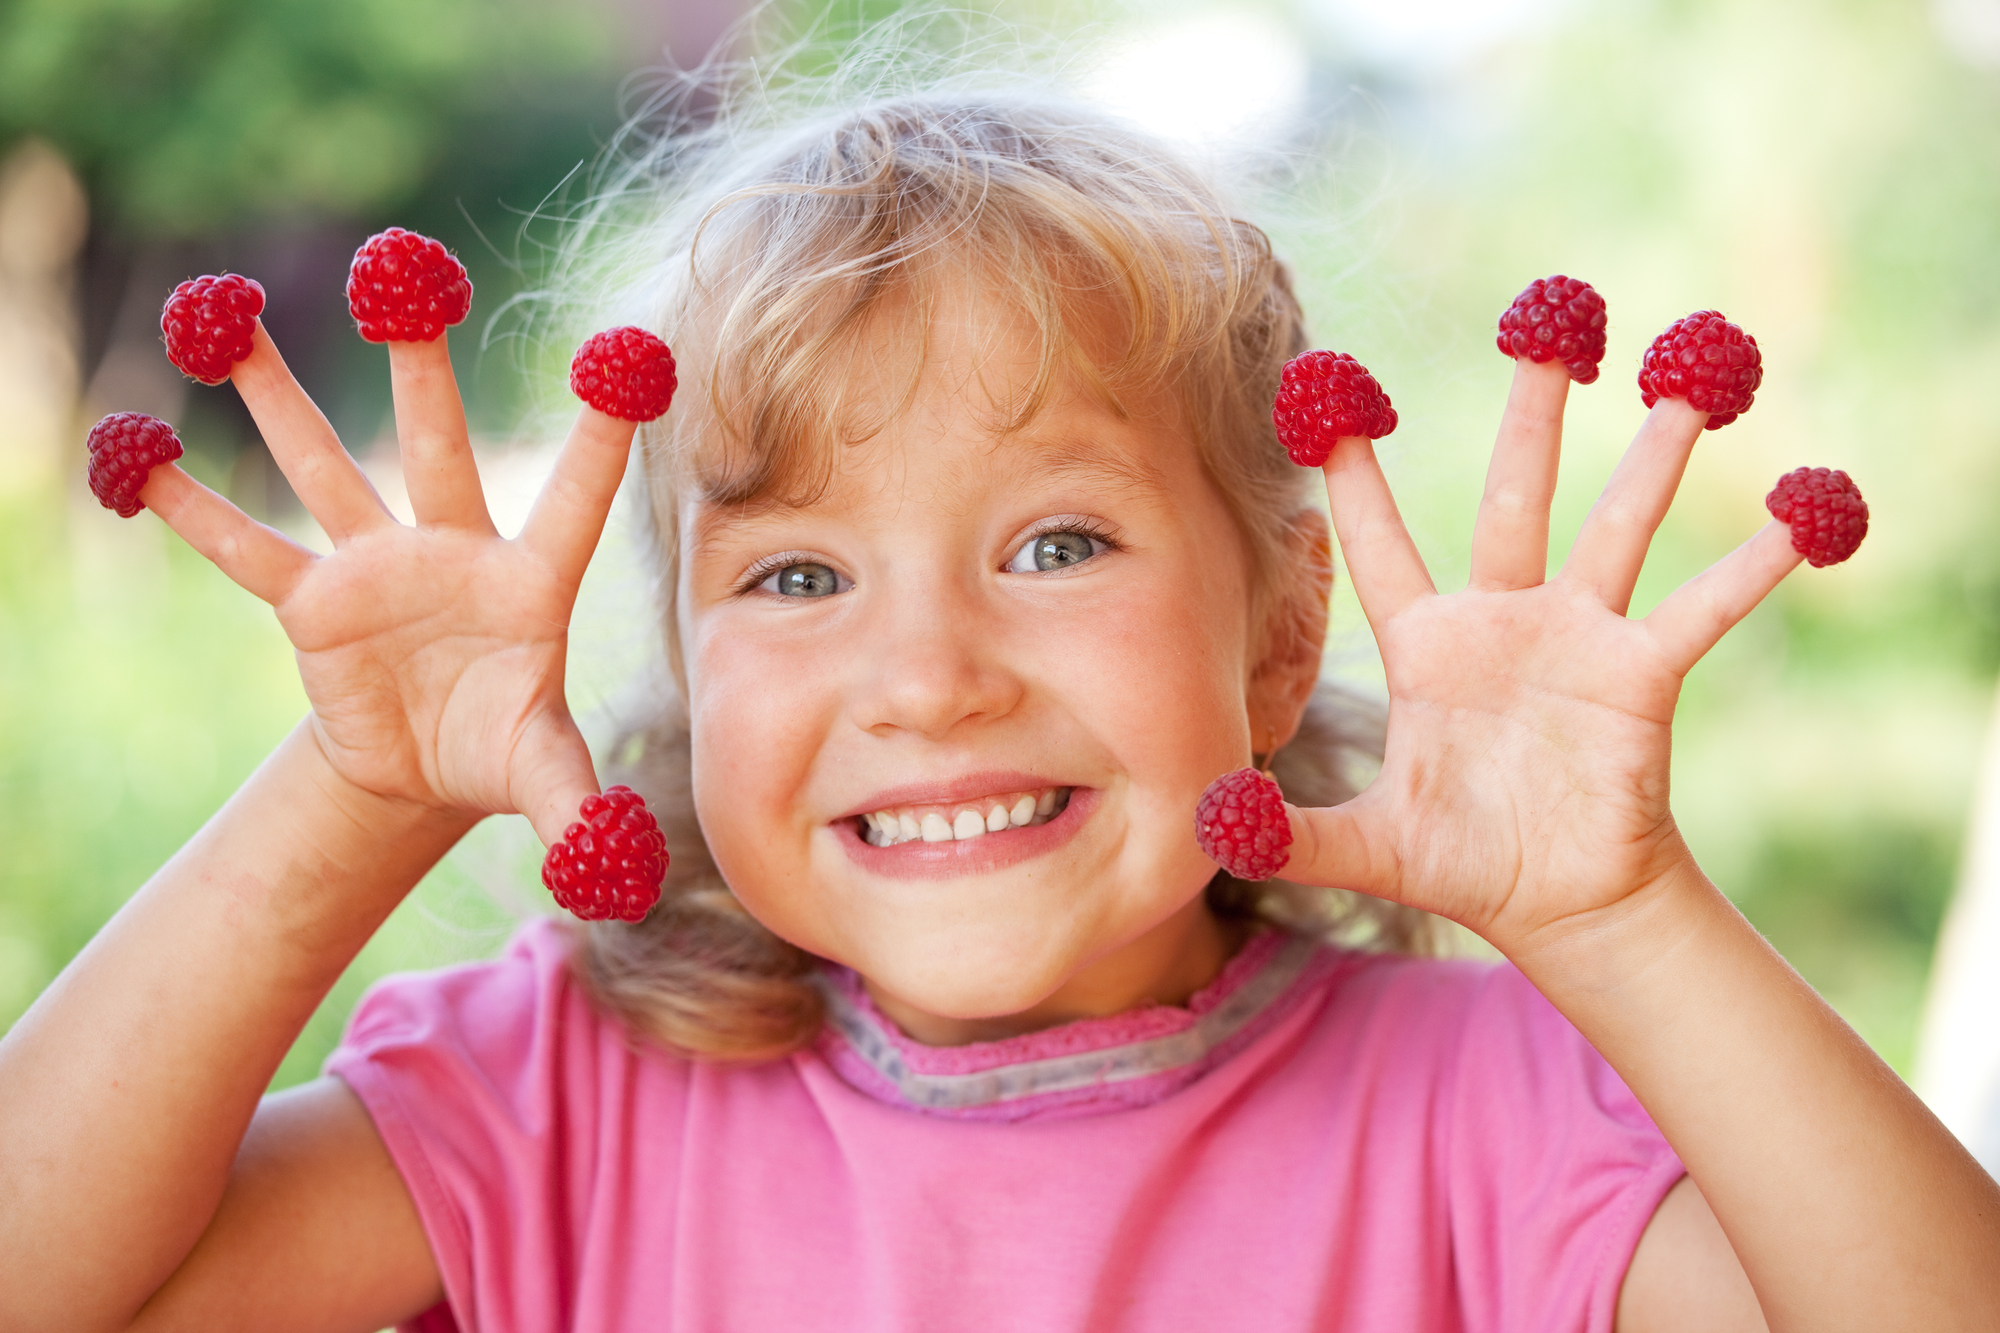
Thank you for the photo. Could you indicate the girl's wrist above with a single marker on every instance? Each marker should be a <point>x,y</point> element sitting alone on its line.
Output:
<point>1594,955</point>
<point>369,818</point>
<point>327,856</point>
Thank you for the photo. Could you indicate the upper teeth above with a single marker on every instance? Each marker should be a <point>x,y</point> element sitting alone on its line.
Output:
<point>959,820</point>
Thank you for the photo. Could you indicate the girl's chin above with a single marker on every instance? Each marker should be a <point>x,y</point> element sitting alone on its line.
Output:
<point>973,856</point>
<point>970,1003</point>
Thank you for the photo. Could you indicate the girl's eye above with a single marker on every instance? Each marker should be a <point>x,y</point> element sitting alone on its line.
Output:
<point>1055,550</point>
<point>804,580</point>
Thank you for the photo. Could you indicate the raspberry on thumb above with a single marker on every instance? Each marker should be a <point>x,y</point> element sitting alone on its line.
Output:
<point>1241,824</point>
<point>610,862</point>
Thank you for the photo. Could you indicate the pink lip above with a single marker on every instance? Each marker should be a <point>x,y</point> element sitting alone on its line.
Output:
<point>974,856</point>
<point>968,788</point>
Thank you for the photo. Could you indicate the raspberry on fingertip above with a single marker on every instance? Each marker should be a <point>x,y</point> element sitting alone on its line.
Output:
<point>406,288</point>
<point>1707,361</point>
<point>1825,510</point>
<point>124,449</point>
<point>1557,318</point>
<point>1242,826</point>
<point>210,323</point>
<point>626,373</point>
<point>611,861</point>
<point>1323,397</point>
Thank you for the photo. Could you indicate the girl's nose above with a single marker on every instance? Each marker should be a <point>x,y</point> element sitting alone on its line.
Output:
<point>932,664</point>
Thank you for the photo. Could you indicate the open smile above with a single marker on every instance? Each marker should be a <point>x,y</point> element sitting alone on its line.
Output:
<point>944,839</point>
<point>961,821</point>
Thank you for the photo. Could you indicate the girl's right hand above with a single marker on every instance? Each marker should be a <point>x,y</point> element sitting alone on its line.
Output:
<point>432,654</point>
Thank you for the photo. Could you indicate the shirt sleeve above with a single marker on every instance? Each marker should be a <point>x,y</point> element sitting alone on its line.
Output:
<point>487,1084</point>
<point>1555,1168</point>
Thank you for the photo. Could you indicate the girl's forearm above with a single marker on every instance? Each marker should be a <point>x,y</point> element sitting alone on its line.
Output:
<point>126,1089</point>
<point>1847,1202</point>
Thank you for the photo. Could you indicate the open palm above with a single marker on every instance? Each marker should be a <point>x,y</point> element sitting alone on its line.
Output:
<point>1525,778</point>
<point>432,654</point>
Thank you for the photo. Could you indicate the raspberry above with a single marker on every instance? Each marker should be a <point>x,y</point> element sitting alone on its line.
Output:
<point>1705,359</point>
<point>406,288</point>
<point>1241,824</point>
<point>209,324</point>
<point>1323,396</point>
<point>124,448</point>
<point>1557,319</point>
<point>625,373</point>
<point>610,862</point>
<point>1828,516</point>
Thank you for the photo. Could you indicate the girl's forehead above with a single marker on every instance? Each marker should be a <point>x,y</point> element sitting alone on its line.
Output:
<point>952,464</point>
<point>949,368</point>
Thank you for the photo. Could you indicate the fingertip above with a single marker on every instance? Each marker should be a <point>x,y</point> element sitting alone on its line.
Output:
<point>166,490</point>
<point>420,353</point>
<point>554,814</point>
<point>557,780</point>
<point>1775,549</point>
<point>1678,419</point>
<point>264,365</point>
<point>1551,373</point>
<point>1305,839</point>
<point>1306,855</point>
<point>1348,451</point>
<point>599,425</point>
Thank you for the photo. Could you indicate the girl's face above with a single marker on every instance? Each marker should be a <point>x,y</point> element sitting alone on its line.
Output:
<point>952,718</point>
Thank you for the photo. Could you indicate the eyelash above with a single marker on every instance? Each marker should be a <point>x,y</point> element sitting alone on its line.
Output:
<point>1088,527</point>
<point>771,564</point>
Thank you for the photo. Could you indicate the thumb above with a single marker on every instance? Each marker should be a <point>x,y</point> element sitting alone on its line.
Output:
<point>549,774</point>
<point>1341,847</point>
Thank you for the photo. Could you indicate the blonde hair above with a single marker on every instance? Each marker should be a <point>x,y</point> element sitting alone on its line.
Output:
<point>764,269</point>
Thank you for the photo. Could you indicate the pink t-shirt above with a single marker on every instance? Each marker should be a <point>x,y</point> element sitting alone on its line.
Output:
<point>1320,1140</point>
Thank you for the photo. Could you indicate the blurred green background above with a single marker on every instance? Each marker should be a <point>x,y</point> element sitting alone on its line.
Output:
<point>1827,172</point>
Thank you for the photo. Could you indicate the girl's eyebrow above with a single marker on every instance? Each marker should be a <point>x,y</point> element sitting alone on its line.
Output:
<point>712,522</point>
<point>1127,472</point>
<point>1124,473</point>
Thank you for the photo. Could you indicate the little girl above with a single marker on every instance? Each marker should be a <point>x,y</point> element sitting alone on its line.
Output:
<point>978,561</point>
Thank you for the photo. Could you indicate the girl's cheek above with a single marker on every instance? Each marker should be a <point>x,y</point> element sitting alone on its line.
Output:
<point>1162,665</point>
<point>756,707</point>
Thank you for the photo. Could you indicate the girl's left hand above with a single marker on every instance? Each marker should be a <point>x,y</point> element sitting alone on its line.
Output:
<point>1524,785</point>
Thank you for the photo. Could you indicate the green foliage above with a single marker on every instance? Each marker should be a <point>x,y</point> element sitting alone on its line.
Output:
<point>189,115</point>
<point>1856,906</point>
<point>137,688</point>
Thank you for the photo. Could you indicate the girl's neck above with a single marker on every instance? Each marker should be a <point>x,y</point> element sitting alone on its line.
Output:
<point>1166,965</point>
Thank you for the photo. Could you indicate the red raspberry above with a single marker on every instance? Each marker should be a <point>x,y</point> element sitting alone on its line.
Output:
<point>406,288</point>
<point>1557,319</point>
<point>1323,396</point>
<point>1241,824</point>
<point>1705,359</point>
<point>124,448</point>
<point>610,862</point>
<point>1828,516</point>
<point>625,373</point>
<point>209,324</point>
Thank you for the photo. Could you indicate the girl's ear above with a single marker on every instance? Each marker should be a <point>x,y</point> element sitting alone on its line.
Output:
<point>1294,634</point>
